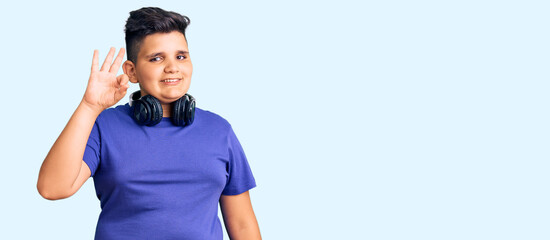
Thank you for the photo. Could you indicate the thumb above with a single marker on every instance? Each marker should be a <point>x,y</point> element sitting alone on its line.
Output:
<point>123,81</point>
<point>122,86</point>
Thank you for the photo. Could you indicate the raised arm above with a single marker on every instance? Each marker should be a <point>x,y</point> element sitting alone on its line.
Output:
<point>61,174</point>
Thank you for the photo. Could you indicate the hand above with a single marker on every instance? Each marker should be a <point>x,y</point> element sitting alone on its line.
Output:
<point>104,88</point>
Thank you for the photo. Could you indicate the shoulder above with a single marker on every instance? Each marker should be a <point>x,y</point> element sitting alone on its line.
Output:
<point>211,119</point>
<point>119,109</point>
<point>118,113</point>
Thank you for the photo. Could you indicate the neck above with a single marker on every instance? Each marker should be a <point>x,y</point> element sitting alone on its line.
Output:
<point>166,110</point>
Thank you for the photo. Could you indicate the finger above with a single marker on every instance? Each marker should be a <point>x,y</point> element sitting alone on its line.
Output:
<point>95,60</point>
<point>121,92</point>
<point>108,59</point>
<point>118,61</point>
<point>123,80</point>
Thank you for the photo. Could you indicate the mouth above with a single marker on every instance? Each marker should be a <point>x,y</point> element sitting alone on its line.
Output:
<point>171,81</point>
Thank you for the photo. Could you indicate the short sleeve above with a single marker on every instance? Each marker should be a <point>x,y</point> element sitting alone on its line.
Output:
<point>92,152</point>
<point>240,175</point>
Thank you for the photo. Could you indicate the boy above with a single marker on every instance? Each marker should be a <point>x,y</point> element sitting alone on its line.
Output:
<point>160,165</point>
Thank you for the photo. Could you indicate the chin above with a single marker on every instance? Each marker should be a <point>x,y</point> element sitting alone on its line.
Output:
<point>173,96</point>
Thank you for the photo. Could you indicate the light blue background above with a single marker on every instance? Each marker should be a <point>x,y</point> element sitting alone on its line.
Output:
<point>360,119</point>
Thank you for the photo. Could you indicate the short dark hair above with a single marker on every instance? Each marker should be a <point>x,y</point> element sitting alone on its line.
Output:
<point>149,20</point>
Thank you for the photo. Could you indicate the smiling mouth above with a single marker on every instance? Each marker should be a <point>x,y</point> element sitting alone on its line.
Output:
<point>170,80</point>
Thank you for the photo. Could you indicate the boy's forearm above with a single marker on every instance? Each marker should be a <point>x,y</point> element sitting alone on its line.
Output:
<point>62,164</point>
<point>248,232</point>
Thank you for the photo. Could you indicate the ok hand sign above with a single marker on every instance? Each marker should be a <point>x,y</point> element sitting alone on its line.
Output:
<point>104,88</point>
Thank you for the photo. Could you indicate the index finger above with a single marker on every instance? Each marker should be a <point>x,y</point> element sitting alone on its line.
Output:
<point>108,59</point>
<point>118,61</point>
<point>95,62</point>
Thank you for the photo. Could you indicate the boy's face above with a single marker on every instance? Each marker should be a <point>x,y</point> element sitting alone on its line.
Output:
<point>163,67</point>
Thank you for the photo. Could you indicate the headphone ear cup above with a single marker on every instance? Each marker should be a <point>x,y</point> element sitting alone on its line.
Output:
<point>153,104</point>
<point>183,111</point>
<point>142,112</point>
<point>190,110</point>
<point>177,110</point>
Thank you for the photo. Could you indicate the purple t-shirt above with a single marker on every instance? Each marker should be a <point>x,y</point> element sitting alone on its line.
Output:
<point>164,181</point>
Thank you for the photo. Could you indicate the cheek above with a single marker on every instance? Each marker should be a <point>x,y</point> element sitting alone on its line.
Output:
<point>148,73</point>
<point>189,69</point>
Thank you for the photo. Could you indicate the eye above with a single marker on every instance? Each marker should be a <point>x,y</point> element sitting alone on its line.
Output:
<point>181,57</point>
<point>154,59</point>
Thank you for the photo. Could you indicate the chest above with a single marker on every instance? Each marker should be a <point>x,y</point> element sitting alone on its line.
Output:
<point>163,159</point>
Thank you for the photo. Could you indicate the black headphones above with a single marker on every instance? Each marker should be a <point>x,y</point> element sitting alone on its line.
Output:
<point>148,111</point>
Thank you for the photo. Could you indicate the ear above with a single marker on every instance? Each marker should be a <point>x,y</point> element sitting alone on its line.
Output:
<point>130,69</point>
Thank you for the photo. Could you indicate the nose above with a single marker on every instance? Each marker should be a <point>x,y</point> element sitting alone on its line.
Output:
<point>171,67</point>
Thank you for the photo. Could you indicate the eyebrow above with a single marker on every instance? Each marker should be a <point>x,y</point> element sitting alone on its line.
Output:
<point>160,53</point>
